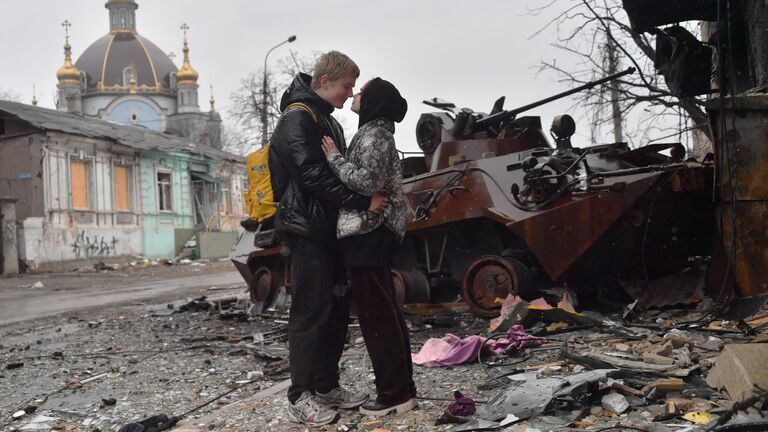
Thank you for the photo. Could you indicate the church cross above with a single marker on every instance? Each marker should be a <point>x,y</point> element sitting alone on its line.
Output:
<point>184,27</point>
<point>66,24</point>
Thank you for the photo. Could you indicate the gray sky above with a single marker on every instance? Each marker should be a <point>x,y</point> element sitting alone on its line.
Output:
<point>468,53</point>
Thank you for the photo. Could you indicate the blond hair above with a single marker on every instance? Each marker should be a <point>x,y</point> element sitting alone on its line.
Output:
<point>335,65</point>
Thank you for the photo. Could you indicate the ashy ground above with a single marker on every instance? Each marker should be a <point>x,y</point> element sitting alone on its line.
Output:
<point>88,351</point>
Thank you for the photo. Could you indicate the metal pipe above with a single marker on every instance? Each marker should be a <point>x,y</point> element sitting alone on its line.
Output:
<point>505,115</point>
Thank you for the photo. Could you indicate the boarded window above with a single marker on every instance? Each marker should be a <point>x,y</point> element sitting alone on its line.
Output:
<point>79,177</point>
<point>164,197</point>
<point>122,194</point>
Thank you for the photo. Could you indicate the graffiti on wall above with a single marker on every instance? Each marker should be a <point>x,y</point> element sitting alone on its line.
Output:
<point>93,246</point>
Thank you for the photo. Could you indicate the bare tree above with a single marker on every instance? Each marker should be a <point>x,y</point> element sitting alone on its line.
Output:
<point>637,107</point>
<point>9,95</point>
<point>242,130</point>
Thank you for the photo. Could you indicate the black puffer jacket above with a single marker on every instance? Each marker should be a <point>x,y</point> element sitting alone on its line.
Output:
<point>309,193</point>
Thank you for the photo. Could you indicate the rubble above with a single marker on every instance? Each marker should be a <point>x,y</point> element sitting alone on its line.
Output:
<point>576,370</point>
<point>615,403</point>
<point>740,369</point>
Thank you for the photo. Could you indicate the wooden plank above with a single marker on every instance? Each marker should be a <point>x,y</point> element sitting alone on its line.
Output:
<point>122,197</point>
<point>79,181</point>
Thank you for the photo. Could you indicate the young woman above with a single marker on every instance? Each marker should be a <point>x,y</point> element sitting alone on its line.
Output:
<point>369,242</point>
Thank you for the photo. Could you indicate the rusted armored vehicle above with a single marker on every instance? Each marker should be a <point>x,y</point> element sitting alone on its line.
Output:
<point>496,208</point>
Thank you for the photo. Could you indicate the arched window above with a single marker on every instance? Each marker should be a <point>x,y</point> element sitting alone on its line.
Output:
<point>128,74</point>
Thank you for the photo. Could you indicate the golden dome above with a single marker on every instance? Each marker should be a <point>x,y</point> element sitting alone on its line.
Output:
<point>68,74</point>
<point>187,75</point>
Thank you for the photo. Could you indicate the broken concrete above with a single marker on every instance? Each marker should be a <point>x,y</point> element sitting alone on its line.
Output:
<point>740,369</point>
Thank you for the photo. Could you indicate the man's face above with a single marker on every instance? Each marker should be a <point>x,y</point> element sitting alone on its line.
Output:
<point>336,92</point>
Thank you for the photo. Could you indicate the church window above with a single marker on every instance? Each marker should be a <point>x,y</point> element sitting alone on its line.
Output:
<point>164,192</point>
<point>122,189</point>
<point>134,117</point>
<point>128,74</point>
<point>78,172</point>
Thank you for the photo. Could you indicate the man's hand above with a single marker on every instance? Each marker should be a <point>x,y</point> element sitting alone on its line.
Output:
<point>329,147</point>
<point>378,203</point>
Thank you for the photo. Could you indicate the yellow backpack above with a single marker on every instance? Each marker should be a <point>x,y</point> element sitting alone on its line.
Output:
<point>259,199</point>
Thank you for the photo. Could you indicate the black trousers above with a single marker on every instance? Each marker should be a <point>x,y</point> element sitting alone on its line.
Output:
<point>319,316</point>
<point>381,322</point>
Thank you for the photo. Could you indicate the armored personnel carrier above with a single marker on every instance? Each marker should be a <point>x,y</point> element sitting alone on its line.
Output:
<point>497,207</point>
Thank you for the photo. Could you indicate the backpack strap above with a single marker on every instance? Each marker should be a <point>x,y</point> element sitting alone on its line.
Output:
<point>303,107</point>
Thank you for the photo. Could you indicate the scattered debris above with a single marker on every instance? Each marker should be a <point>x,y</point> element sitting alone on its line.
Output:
<point>553,369</point>
<point>740,369</point>
<point>698,417</point>
<point>615,403</point>
<point>451,350</point>
<point>534,395</point>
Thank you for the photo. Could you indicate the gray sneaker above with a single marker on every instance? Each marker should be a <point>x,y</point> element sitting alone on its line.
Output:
<point>341,398</point>
<point>308,411</point>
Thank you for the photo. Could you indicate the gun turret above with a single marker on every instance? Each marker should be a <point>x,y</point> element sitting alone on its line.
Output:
<point>495,122</point>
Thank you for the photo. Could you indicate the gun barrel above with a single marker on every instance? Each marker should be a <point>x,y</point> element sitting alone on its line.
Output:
<point>504,115</point>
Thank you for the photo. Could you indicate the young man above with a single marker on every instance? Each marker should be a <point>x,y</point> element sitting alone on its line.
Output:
<point>310,196</point>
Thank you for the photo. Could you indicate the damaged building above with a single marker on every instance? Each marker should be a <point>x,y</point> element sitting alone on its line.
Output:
<point>91,189</point>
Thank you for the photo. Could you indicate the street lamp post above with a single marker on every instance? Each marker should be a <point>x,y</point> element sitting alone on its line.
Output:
<point>264,117</point>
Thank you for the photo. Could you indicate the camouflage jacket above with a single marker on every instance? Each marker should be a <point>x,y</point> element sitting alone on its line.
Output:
<point>372,165</point>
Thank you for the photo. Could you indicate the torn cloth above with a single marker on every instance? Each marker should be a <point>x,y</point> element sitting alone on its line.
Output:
<point>450,350</point>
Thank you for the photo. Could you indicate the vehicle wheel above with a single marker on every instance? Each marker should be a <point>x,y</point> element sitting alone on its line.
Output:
<point>492,277</point>
<point>261,284</point>
<point>265,284</point>
<point>411,286</point>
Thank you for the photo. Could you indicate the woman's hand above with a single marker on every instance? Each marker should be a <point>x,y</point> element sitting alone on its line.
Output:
<point>378,203</point>
<point>329,147</point>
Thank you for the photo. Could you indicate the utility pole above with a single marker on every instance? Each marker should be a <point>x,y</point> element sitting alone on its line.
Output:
<point>618,133</point>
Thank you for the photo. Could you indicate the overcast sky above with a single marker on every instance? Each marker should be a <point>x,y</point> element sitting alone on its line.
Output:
<point>466,52</point>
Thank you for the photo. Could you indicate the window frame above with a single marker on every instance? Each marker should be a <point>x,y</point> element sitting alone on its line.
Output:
<point>127,78</point>
<point>158,190</point>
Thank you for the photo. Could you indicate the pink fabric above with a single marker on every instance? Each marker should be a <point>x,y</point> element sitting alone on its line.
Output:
<point>450,350</point>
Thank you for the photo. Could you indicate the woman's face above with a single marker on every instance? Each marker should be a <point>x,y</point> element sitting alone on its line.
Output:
<point>358,97</point>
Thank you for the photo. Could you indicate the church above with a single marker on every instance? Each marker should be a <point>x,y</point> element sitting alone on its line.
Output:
<point>125,78</point>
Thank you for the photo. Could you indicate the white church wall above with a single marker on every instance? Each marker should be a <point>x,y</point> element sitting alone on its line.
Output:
<point>94,104</point>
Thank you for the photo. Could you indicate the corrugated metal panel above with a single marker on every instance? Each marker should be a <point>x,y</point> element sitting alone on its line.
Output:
<point>135,137</point>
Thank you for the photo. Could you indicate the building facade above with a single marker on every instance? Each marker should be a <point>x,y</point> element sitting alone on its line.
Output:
<point>89,189</point>
<point>126,165</point>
